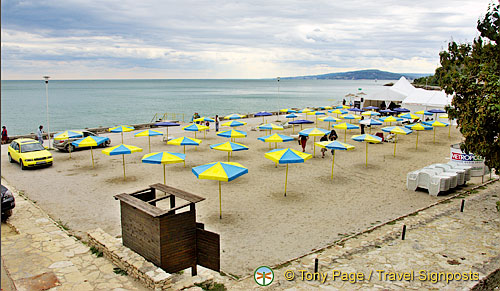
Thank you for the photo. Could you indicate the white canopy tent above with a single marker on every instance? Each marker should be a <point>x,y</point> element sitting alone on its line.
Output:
<point>421,99</point>
<point>396,94</point>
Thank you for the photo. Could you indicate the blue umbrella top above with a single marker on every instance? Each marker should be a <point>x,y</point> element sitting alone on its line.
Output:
<point>356,109</point>
<point>371,122</point>
<point>292,115</point>
<point>437,111</point>
<point>165,123</point>
<point>401,109</point>
<point>342,111</point>
<point>370,108</point>
<point>229,171</point>
<point>263,113</point>
<point>387,111</point>
<point>301,121</point>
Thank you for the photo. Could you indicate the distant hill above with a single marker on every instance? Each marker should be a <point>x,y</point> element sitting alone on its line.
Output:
<point>362,75</point>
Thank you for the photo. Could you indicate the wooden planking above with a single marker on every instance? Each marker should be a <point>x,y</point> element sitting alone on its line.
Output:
<point>208,249</point>
<point>139,204</point>
<point>141,233</point>
<point>178,193</point>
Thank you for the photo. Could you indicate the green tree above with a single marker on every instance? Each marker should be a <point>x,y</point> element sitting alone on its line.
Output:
<point>471,72</point>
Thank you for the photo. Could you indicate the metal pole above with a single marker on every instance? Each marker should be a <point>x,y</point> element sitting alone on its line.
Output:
<point>278,78</point>
<point>220,203</point>
<point>333,160</point>
<point>123,159</point>
<point>286,178</point>
<point>47,95</point>
<point>164,176</point>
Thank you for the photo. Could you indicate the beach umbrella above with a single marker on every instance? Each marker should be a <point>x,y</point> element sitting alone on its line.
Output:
<point>355,109</point>
<point>167,125</point>
<point>149,133</point>
<point>350,117</point>
<point>121,129</point>
<point>67,135</point>
<point>408,116</point>
<point>371,122</point>
<point>390,119</point>
<point>164,158</point>
<point>234,123</point>
<point>314,132</point>
<point>221,172</point>
<point>436,111</point>
<point>301,122</point>
<point>204,119</point>
<point>90,141</point>
<point>122,149</point>
<point>276,138</point>
<point>423,112</point>
<point>195,127</point>
<point>338,111</point>
<point>229,147</point>
<point>270,127</point>
<point>370,108</point>
<point>387,111</point>
<point>326,107</point>
<point>418,127</point>
<point>288,110</point>
<point>232,134</point>
<point>401,110</point>
<point>293,116</point>
<point>445,116</point>
<point>234,116</point>
<point>263,114</point>
<point>185,141</point>
<point>334,145</point>
<point>345,126</point>
<point>435,124</point>
<point>287,156</point>
<point>370,113</point>
<point>342,107</point>
<point>305,110</point>
<point>396,130</point>
<point>316,113</point>
<point>367,138</point>
<point>329,119</point>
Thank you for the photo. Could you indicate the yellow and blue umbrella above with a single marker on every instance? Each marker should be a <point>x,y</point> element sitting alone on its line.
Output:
<point>397,130</point>
<point>314,132</point>
<point>164,158</point>
<point>367,138</point>
<point>370,113</point>
<point>232,134</point>
<point>370,122</point>
<point>121,129</point>
<point>423,112</point>
<point>338,111</point>
<point>287,156</point>
<point>435,124</point>
<point>326,107</point>
<point>263,114</point>
<point>345,126</point>
<point>67,135</point>
<point>408,116</point>
<point>167,124</point>
<point>276,138</point>
<point>334,146</point>
<point>445,116</point>
<point>418,127</point>
<point>350,117</point>
<point>329,119</point>
<point>234,116</point>
<point>391,119</point>
<point>288,110</point>
<point>122,149</point>
<point>184,141</point>
<point>201,119</point>
<point>90,141</point>
<point>149,133</point>
<point>316,113</point>
<point>221,172</point>
<point>229,147</point>
<point>270,127</point>
<point>233,123</point>
<point>195,127</point>
<point>292,116</point>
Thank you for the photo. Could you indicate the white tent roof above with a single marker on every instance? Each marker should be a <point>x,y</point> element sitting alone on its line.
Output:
<point>397,92</point>
<point>427,98</point>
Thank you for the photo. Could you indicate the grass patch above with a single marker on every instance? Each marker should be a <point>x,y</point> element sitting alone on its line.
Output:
<point>474,191</point>
<point>63,225</point>
<point>392,222</point>
<point>119,271</point>
<point>413,214</point>
<point>211,286</point>
<point>95,251</point>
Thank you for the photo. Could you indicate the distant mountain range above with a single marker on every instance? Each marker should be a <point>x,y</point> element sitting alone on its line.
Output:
<point>362,75</point>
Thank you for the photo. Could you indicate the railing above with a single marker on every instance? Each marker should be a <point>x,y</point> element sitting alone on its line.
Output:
<point>168,116</point>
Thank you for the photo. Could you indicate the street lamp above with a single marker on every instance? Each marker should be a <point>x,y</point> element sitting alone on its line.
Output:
<point>47,95</point>
<point>278,79</point>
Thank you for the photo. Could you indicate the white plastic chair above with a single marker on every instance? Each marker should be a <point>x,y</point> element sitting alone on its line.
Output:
<point>441,172</point>
<point>427,179</point>
<point>448,169</point>
<point>467,169</point>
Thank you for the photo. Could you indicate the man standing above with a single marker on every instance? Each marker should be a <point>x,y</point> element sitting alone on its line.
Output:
<point>216,122</point>
<point>5,137</point>
<point>39,135</point>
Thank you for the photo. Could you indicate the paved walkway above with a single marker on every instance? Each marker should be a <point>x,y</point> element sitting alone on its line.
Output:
<point>438,239</point>
<point>33,244</point>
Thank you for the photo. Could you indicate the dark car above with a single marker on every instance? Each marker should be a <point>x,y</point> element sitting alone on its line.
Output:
<point>8,203</point>
<point>64,145</point>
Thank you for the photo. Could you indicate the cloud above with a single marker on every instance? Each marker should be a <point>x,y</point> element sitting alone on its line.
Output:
<point>227,39</point>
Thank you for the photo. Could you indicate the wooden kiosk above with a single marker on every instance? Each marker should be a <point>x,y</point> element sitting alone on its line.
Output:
<point>171,238</point>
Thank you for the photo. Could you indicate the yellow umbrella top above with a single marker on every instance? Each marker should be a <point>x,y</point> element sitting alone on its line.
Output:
<point>181,141</point>
<point>287,156</point>
<point>443,116</point>
<point>350,116</point>
<point>149,132</point>
<point>121,128</point>
<point>121,149</point>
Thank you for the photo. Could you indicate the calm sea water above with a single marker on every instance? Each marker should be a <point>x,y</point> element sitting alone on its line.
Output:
<point>91,103</point>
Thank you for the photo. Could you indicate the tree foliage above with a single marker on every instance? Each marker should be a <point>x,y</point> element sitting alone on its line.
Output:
<point>471,72</point>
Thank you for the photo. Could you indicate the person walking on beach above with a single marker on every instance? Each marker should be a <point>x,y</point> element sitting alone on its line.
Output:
<point>323,150</point>
<point>208,124</point>
<point>39,134</point>
<point>362,125</point>
<point>216,122</point>
<point>303,142</point>
<point>5,137</point>
<point>333,136</point>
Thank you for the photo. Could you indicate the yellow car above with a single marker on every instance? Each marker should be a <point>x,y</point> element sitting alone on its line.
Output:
<point>29,153</point>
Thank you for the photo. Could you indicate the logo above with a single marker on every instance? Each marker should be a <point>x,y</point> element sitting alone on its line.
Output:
<point>263,275</point>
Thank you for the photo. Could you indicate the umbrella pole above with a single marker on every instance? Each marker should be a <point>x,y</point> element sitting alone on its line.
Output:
<point>416,144</point>
<point>345,135</point>
<point>92,155</point>
<point>366,163</point>
<point>434,135</point>
<point>167,133</point>
<point>275,145</point>
<point>395,142</point>
<point>69,147</point>
<point>449,128</point>
<point>164,176</point>
<point>220,203</point>
<point>184,149</point>
<point>195,134</point>
<point>227,156</point>
<point>333,160</point>
<point>286,178</point>
<point>301,126</point>
<point>149,142</point>
<point>314,147</point>
<point>123,158</point>
<point>122,136</point>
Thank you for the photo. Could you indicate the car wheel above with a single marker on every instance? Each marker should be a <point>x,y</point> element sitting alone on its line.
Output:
<point>10,159</point>
<point>70,147</point>
<point>23,167</point>
<point>6,214</point>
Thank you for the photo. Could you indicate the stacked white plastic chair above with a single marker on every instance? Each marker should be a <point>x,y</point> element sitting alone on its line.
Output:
<point>441,172</point>
<point>467,169</point>
<point>428,179</point>
<point>460,172</point>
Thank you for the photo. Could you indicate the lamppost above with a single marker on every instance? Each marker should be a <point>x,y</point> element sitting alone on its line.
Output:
<point>47,95</point>
<point>278,118</point>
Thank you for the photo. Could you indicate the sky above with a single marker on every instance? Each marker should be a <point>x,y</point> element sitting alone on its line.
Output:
<point>162,39</point>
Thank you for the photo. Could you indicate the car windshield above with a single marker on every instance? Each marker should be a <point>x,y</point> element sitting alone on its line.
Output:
<point>31,147</point>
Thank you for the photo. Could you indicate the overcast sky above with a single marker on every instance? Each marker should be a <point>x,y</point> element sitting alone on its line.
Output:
<point>90,39</point>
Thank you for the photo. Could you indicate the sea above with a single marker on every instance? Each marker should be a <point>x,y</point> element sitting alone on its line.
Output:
<point>79,104</point>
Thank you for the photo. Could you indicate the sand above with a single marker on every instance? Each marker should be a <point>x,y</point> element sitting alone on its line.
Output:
<point>259,226</point>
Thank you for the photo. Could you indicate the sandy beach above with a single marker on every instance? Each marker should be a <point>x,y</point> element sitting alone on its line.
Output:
<point>260,226</point>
